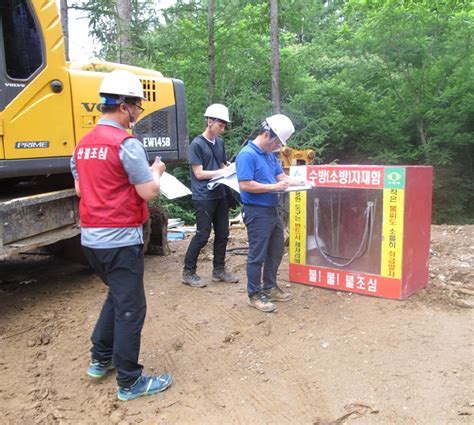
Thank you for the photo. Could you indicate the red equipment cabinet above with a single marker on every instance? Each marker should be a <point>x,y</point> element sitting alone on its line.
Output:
<point>363,229</point>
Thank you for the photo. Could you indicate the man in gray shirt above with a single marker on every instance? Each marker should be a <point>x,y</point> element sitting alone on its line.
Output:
<point>114,181</point>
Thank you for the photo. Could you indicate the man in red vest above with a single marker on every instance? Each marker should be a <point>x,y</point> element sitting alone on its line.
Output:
<point>114,181</point>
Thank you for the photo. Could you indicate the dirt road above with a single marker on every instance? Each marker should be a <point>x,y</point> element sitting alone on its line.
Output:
<point>325,358</point>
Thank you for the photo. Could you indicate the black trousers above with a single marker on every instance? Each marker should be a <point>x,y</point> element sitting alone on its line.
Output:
<point>117,333</point>
<point>209,214</point>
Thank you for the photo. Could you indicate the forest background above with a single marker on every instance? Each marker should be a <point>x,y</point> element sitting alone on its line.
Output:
<point>365,82</point>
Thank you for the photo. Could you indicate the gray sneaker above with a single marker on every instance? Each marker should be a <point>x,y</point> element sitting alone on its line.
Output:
<point>277,294</point>
<point>224,276</point>
<point>260,302</point>
<point>192,279</point>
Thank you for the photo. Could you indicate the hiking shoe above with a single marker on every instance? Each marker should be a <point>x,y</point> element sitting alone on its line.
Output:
<point>277,294</point>
<point>145,385</point>
<point>192,279</point>
<point>224,276</point>
<point>98,369</point>
<point>260,302</point>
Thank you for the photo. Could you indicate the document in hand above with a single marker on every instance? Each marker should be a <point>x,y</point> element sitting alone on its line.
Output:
<point>298,188</point>
<point>171,187</point>
<point>229,179</point>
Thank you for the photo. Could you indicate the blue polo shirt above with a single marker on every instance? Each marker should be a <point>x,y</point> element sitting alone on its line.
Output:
<point>253,163</point>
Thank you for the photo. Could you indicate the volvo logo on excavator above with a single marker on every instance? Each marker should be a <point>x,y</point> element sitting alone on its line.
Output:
<point>89,107</point>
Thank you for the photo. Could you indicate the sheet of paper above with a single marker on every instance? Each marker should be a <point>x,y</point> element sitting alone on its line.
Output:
<point>228,180</point>
<point>301,188</point>
<point>171,187</point>
<point>229,171</point>
<point>233,183</point>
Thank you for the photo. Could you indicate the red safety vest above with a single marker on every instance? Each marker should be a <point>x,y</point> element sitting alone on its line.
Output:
<point>107,197</point>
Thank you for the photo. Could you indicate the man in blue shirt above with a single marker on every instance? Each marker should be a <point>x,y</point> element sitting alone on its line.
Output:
<point>260,179</point>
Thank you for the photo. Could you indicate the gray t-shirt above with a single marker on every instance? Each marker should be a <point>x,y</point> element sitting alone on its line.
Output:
<point>134,159</point>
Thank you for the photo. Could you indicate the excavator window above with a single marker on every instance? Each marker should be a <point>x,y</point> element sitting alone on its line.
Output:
<point>21,39</point>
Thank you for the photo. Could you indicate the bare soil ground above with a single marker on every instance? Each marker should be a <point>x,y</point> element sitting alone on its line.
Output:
<point>325,358</point>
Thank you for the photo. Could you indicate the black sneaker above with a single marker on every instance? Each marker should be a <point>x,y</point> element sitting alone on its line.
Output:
<point>192,279</point>
<point>260,302</point>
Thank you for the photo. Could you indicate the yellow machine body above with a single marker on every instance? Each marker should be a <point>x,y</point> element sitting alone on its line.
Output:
<point>44,115</point>
<point>47,105</point>
<point>289,157</point>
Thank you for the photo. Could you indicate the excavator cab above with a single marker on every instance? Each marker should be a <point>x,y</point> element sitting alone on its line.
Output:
<point>48,104</point>
<point>21,55</point>
<point>36,123</point>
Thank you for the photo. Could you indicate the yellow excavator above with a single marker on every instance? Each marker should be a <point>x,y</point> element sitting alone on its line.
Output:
<point>290,156</point>
<point>46,105</point>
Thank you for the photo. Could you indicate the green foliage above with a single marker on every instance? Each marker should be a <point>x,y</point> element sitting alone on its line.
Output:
<point>178,208</point>
<point>369,82</point>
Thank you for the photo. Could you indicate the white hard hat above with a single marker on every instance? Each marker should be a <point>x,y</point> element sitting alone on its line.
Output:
<point>217,111</point>
<point>122,83</point>
<point>282,126</point>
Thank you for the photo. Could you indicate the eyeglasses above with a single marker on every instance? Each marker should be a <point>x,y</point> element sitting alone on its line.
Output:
<point>140,109</point>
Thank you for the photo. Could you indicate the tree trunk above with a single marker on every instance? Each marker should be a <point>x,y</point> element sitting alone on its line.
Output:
<point>275,56</point>
<point>65,25</point>
<point>420,125</point>
<point>124,18</point>
<point>211,52</point>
